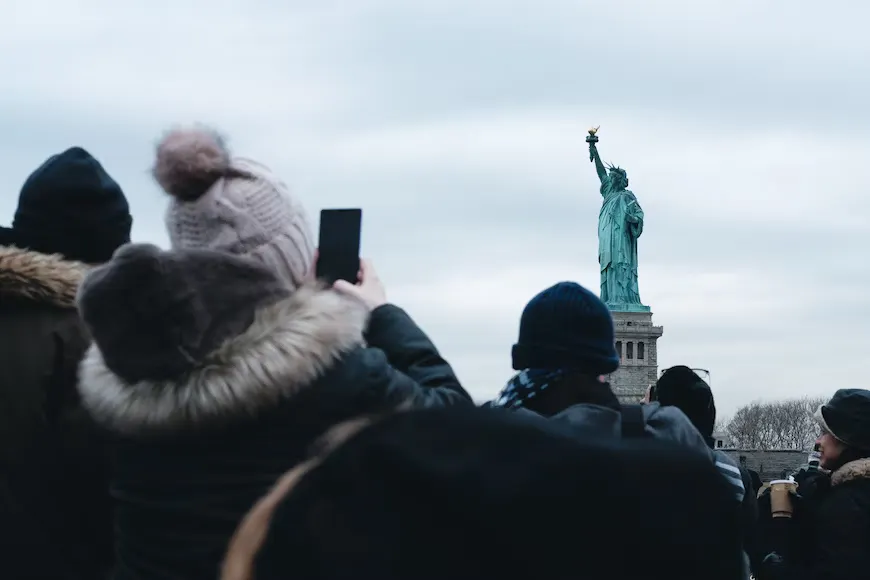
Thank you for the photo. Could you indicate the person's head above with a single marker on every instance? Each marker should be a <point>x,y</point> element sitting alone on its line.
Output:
<point>618,177</point>
<point>486,485</point>
<point>845,428</point>
<point>566,339</point>
<point>680,387</point>
<point>566,327</point>
<point>70,206</point>
<point>231,205</point>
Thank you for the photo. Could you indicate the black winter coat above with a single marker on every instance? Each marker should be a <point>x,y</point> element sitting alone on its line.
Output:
<point>833,533</point>
<point>55,518</point>
<point>182,485</point>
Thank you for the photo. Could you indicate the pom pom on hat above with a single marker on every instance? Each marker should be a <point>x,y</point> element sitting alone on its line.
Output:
<point>190,161</point>
<point>231,204</point>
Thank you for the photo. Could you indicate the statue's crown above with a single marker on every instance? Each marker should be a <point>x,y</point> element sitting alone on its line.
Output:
<point>616,169</point>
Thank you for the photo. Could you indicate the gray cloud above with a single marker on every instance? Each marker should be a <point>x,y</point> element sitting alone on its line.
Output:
<point>459,127</point>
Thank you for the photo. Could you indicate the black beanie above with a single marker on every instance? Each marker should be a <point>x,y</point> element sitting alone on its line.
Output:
<point>566,327</point>
<point>480,493</point>
<point>680,387</point>
<point>72,207</point>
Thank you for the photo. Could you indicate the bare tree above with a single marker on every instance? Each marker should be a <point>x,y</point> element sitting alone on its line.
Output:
<point>786,424</point>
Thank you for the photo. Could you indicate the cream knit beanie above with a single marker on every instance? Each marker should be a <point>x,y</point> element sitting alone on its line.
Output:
<point>231,205</point>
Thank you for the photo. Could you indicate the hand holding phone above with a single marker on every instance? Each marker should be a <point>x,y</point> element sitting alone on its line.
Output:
<point>369,290</point>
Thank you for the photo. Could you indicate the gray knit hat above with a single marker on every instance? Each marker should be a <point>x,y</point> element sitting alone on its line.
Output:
<point>231,205</point>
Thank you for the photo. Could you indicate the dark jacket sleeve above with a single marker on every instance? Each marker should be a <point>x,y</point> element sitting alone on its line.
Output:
<point>420,372</point>
<point>841,548</point>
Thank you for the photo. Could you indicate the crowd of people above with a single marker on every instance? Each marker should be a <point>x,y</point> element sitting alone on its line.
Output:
<point>214,411</point>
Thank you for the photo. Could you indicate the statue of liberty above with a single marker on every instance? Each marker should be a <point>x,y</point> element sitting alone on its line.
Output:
<point>620,223</point>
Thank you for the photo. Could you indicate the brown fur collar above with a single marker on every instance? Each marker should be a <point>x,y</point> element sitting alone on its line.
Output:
<point>288,346</point>
<point>858,469</point>
<point>43,278</point>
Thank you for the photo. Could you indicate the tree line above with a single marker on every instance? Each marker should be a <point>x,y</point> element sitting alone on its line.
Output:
<point>786,424</point>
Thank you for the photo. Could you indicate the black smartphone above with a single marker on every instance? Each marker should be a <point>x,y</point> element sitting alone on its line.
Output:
<point>338,251</point>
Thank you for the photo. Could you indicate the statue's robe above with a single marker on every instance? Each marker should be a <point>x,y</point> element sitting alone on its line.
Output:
<point>620,224</point>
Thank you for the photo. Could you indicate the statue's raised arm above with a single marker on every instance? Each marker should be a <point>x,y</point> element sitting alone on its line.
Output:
<point>592,139</point>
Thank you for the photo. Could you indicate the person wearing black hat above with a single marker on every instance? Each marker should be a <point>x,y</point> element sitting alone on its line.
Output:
<point>829,535</point>
<point>566,348</point>
<point>54,514</point>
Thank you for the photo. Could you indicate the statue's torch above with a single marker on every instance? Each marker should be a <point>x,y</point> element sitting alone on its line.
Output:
<point>592,139</point>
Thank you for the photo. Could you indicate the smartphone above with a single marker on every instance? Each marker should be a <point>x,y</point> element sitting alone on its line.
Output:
<point>338,250</point>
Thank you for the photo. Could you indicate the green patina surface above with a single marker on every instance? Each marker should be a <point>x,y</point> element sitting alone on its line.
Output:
<point>620,224</point>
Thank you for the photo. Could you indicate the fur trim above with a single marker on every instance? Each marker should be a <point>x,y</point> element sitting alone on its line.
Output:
<point>190,161</point>
<point>858,469</point>
<point>43,278</point>
<point>288,346</point>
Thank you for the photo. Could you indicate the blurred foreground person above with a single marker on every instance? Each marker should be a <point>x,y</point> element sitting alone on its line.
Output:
<point>478,493</point>
<point>828,537</point>
<point>216,379</point>
<point>54,503</point>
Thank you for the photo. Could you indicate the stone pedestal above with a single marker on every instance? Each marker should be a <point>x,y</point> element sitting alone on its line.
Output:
<point>636,343</point>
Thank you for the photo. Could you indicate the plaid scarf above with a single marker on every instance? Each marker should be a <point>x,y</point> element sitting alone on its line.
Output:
<point>526,385</point>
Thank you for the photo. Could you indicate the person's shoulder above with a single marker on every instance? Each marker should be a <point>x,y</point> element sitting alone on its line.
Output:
<point>586,419</point>
<point>49,280</point>
<point>358,363</point>
<point>656,413</point>
<point>727,464</point>
<point>725,458</point>
<point>850,485</point>
<point>363,368</point>
<point>668,422</point>
<point>34,331</point>
<point>857,471</point>
<point>845,502</point>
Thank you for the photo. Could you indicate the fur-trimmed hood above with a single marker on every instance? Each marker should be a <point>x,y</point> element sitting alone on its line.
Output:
<point>42,278</point>
<point>289,345</point>
<point>858,469</point>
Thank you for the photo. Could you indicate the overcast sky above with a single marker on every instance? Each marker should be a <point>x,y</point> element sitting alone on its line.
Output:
<point>458,125</point>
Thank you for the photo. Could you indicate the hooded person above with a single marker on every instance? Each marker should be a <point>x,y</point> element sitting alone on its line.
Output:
<point>486,513</point>
<point>565,348</point>
<point>680,387</point>
<point>216,378</point>
<point>829,535</point>
<point>231,204</point>
<point>54,504</point>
